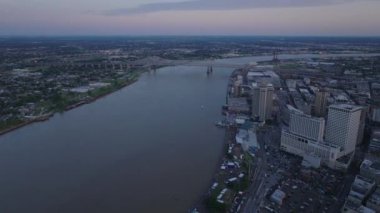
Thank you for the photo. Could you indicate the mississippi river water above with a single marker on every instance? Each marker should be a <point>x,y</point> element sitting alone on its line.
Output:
<point>149,147</point>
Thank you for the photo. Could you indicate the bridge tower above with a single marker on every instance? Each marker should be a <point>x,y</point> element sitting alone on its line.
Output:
<point>275,56</point>
<point>209,70</point>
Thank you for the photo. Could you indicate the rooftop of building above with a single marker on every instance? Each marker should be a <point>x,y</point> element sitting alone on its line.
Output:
<point>345,158</point>
<point>255,73</point>
<point>375,197</point>
<point>362,185</point>
<point>364,209</point>
<point>347,107</point>
<point>300,113</point>
<point>368,164</point>
<point>278,194</point>
<point>292,108</point>
<point>357,207</point>
<point>241,100</point>
<point>262,85</point>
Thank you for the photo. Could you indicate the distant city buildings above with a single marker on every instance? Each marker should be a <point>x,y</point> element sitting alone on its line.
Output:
<point>262,101</point>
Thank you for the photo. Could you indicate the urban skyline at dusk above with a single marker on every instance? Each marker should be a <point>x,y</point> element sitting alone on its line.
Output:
<point>194,17</point>
<point>198,106</point>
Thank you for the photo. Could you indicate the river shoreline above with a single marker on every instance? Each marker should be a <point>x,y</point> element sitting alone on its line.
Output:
<point>43,117</point>
<point>47,116</point>
<point>200,204</point>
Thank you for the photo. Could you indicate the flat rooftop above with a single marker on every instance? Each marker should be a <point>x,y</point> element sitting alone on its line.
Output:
<point>347,107</point>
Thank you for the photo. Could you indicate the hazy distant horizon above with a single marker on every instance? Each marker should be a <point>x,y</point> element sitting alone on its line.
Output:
<point>190,17</point>
<point>183,36</point>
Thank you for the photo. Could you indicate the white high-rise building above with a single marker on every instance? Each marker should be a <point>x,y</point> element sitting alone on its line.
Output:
<point>307,126</point>
<point>305,138</point>
<point>305,135</point>
<point>343,126</point>
<point>262,101</point>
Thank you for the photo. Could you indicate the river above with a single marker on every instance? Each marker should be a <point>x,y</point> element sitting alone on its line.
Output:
<point>149,147</point>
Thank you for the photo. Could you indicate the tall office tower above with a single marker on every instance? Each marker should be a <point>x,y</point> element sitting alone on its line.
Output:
<point>262,101</point>
<point>307,126</point>
<point>235,90</point>
<point>320,104</point>
<point>343,126</point>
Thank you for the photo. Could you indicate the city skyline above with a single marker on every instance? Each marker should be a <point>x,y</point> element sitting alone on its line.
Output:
<point>175,17</point>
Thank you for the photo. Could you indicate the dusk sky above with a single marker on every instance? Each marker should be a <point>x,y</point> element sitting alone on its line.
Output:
<point>191,17</point>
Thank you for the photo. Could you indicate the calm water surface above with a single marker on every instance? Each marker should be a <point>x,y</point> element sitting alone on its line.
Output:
<point>150,147</point>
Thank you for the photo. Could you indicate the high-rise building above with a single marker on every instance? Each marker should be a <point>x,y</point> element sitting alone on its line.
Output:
<point>305,138</point>
<point>236,89</point>
<point>320,104</point>
<point>307,126</point>
<point>262,101</point>
<point>305,135</point>
<point>343,126</point>
<point>363,117</point>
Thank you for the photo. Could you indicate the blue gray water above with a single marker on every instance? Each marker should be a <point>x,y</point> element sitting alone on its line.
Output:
<point>149,147</point>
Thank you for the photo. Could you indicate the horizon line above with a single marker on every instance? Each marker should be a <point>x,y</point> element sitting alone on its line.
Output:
<point>183,35</point>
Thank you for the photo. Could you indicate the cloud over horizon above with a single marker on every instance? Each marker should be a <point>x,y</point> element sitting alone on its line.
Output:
<point>190,17</point>
<point>189,5</point>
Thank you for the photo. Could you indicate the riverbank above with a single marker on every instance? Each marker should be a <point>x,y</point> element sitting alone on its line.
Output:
<point>231,178</point>
<point>10,126</point>
<point>200,203</point>
<point>211,200</point>
<point>101,95</point>
<point>48,115</point>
